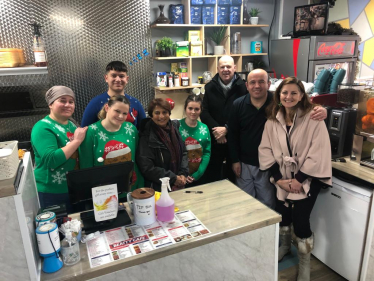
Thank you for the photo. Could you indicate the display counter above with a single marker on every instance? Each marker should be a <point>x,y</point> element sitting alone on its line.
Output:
<point>242,245</point>
<point>354,169</point>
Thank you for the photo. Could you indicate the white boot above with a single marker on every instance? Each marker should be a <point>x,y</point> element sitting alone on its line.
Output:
<point>285,242</point>
<point>304,248</point>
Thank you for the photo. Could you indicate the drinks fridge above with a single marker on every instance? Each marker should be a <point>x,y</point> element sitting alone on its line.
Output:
<point>306,57</point>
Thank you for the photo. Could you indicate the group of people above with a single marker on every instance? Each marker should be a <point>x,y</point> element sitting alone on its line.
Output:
<point>273,146</point>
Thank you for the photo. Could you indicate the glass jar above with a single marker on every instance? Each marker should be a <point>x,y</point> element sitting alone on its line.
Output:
<point>185,81</point>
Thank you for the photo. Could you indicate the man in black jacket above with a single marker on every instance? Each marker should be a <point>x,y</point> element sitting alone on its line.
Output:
<point>247,121</point>
<point>220,93</point>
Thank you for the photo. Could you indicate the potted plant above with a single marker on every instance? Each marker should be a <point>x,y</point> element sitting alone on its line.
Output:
<point>165,45</point>
<point>218,35</point>
<point>254,15</point>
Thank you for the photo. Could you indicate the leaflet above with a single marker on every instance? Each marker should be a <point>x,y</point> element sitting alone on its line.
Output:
<point>158,235</point>
<point>176,229</point>
<point>98,251</point>
<point>130,240</point>
<point>133,230</point>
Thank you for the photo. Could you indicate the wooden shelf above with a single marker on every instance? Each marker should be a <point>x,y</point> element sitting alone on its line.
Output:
<point>23,70</point>
<point>208,25</point>
<point>247,55</point>
<point>178,88</point>
<point>208,56</point>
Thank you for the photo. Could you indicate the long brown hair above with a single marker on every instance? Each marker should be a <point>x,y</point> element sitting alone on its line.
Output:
<point>102,113</point>
<point>305,104</point>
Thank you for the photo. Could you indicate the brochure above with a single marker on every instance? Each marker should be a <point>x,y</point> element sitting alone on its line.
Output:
<point>130,240</point>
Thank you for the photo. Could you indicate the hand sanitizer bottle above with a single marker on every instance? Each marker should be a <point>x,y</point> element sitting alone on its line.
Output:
<point>165,205</point>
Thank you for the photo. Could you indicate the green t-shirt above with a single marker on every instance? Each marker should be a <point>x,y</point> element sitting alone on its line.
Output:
<point>47,139</point>
<point>111,147</point>
<point>197,141</point>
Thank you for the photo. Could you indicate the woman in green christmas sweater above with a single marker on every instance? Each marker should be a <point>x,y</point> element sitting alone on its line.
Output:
<point>196,137</point>
<point>55,140</point>
<point>112,140</point>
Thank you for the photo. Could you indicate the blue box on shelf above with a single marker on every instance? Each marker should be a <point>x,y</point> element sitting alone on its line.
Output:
<point>223,2</point>
<point>235,14</point>
<point>176,14</point>
<point>210,2</point>
<point>208,15</point>
<point>236,2</point>
<point>197,2</point>
<point>195,14</point>
<point>223,15</point>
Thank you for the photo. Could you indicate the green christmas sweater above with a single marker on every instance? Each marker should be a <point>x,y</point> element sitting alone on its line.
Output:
<point>47,139</point>
<point>101,147</point>
<point>197,141</point>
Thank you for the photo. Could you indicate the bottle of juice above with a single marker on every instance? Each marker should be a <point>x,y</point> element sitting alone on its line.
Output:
<point>165,205</point>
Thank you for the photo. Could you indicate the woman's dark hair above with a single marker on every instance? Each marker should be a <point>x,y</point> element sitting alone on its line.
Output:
<point>305,104</point>
<point>102,114</point>
<point>194,98</point>
<point>158,102</point>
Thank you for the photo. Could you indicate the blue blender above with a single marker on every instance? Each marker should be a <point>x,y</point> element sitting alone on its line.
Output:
<point>49,247</point>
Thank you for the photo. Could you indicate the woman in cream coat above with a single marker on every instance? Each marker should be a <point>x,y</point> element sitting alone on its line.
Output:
<point>296,150</point>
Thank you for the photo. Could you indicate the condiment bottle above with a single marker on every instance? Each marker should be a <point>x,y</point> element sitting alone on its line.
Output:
<point>176,80</point>
<point>170,81</point>
<point>40,56</point>
<point>165,205</point>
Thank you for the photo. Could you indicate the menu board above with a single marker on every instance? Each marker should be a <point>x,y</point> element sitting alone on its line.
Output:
<point>131,240</point>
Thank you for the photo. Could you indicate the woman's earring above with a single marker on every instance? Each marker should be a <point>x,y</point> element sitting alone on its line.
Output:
<point>280,104</point>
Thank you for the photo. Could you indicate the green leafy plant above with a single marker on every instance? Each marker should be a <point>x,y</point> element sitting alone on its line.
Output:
<point>218,35</point>
<point>165,43</point>
<point>257,63</point>
<point>253,12</point>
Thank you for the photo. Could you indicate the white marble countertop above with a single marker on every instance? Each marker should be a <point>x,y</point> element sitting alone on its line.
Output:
<point>225,210</point>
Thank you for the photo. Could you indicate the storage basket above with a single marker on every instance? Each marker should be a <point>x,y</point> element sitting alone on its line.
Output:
<point>9,164</point>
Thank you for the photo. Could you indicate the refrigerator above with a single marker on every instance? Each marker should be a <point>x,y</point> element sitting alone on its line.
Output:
<point>306,57</point>
<point>339,221</point>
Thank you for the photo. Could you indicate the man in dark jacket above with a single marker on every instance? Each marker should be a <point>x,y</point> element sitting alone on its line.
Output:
<point>220,93</point>
<point>247,121</point>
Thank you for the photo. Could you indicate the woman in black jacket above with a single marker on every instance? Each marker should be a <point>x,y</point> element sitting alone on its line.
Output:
<point>161,151</point>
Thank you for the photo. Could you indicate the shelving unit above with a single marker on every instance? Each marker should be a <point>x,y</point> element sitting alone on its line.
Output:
<point>212,59</point>
<point>198,64</point>
<point>24,70</point>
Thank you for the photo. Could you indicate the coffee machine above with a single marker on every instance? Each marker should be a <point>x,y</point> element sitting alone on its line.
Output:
<point>341,127</point>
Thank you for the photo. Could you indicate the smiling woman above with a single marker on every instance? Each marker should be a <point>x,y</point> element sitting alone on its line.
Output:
<point>111,139</point>
<point>161,152</point>
<point>55,140</point>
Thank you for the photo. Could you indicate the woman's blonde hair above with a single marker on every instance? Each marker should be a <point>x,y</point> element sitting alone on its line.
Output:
<point>305,104</point>
<point>111,101</point>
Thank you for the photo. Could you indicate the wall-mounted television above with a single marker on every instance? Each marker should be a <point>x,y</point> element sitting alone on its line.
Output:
<point>310,20</point>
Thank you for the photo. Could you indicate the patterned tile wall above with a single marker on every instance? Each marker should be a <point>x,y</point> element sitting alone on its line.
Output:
<point>81,37</point>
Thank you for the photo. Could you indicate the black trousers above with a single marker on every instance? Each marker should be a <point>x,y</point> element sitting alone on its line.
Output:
<point>298,211</point>
<point>217,170</point>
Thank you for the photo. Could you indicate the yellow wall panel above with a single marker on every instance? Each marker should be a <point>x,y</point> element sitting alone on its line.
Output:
<point>369,10</point>
<point>344,23</point>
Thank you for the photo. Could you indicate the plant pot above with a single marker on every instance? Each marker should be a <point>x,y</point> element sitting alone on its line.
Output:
<point>219,50</point>
<point>254,20</point>
<point>166,52</point>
